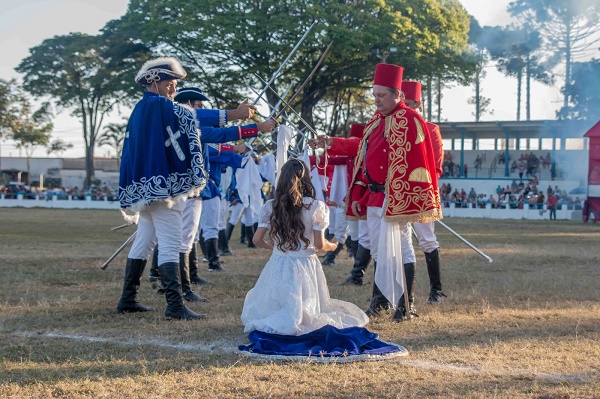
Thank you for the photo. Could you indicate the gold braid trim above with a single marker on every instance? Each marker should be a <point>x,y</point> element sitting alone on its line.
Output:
<point>407,203</point>
<point>424,217</point>
<point>395,133</point>
<point>371,124</point>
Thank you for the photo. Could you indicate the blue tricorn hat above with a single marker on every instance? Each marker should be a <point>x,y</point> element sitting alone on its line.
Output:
<point>163,68</point>
<point>186,94</point>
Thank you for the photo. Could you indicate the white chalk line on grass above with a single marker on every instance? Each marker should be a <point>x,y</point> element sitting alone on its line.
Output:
<point>228,347</point>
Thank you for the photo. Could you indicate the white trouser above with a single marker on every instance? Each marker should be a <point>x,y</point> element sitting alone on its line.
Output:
<point>353,229</point>
<point>191,221</point>
<point>249,217</point>
<point>209,220</point>
<point>374,215</point>
<point>159,223</point>
<point>338,223</point>
<point>364,240</point>
<point>236,213</point>
<point>331,217</point>
<point>426,235</point>
<point>223,213</point>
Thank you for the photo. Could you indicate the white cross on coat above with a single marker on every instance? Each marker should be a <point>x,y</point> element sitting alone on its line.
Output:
<point>172,140</point>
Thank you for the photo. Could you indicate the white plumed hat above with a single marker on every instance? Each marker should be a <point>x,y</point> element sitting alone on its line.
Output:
<point>163,68</point>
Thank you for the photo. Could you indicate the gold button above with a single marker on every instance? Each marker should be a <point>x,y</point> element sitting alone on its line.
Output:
<point>381,167</point>
<point>384,150</point>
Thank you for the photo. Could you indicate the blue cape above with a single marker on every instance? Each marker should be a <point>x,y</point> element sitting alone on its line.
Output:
<point>162,157</point>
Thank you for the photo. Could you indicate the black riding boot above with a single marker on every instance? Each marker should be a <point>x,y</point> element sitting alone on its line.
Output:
<point>354,247</point>
<point>133,273</point>
<point>203,248</point>
<point>212,249</point>
<point>400,313</point>
<point>350,249</point>
<point>194,277</point>
<point>330,255</point>
<point>242,233</point>
<point>224,244</point>
<point>378,301</point>
<point>435,277</point>
<point>229,232</point>
<point>154,275</point>
<point>250,236</point>
<point>169,274</point>
<point>186,285</point>
<point>361,262</point>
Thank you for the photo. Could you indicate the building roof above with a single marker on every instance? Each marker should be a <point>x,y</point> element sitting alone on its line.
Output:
<point>594,131</point>
<point>514,129</point>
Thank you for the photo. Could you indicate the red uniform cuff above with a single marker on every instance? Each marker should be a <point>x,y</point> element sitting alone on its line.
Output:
<point>248,131</point>
<point>225,148</point>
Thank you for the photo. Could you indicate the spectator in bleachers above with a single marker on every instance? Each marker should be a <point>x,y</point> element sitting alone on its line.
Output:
<point>546,161</point>
<point>520,202</point>
<point>472,193</point>
<point>465,170</point>
<point>478,162</point>
<point>456,171</point>
<point>501,157</point>
<point>540,200</point>
<point>513,166</point>
<point>499,190</point>
<point>521,165</point>
<point>513,186</point>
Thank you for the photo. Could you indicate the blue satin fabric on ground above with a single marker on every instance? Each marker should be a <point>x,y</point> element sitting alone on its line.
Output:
<point>327,341</point>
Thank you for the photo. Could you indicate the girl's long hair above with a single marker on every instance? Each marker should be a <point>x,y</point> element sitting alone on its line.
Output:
<point>287,227</point>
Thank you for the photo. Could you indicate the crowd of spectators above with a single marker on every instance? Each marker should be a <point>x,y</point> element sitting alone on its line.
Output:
<point>13,190</point>
<point>513,196</point>
<point>527,165</point>
<point>449,168</point>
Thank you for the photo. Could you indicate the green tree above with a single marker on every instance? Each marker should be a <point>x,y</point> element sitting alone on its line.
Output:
<point>113,136</point>
<point>515,51</point>
<point>585,91</point>
<point>12,99</point>
<point>58,146</point>
<point>480,57</point>
<point>31,129</point>
<point>88,75</point>
<point>568,28</point>
<point>224,43</point>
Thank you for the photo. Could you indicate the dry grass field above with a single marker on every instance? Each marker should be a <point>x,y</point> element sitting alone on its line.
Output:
<point>525,326</point>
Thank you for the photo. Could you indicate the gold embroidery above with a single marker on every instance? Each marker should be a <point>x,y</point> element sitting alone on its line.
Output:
<point>371,124</point>
<point>420,175</point>
<point>405,202</point>
<point>420,132</point>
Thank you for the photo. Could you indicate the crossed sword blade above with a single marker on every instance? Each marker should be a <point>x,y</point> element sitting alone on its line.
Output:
<point>278,71</point>
<point>286,105</point>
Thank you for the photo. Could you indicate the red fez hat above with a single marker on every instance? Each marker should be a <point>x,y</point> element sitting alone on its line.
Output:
<point>412,90</point>
<point>388,75</point>
<point>357,130</point>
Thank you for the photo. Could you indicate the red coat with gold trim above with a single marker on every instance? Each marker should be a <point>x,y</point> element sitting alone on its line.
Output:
<point>437,146</point>
<point>396,152</point>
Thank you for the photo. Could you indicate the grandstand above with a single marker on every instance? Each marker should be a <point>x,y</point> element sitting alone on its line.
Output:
<point>559,146</point>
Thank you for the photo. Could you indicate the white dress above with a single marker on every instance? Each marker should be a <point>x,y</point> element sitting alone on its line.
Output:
<point>291,295</point>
